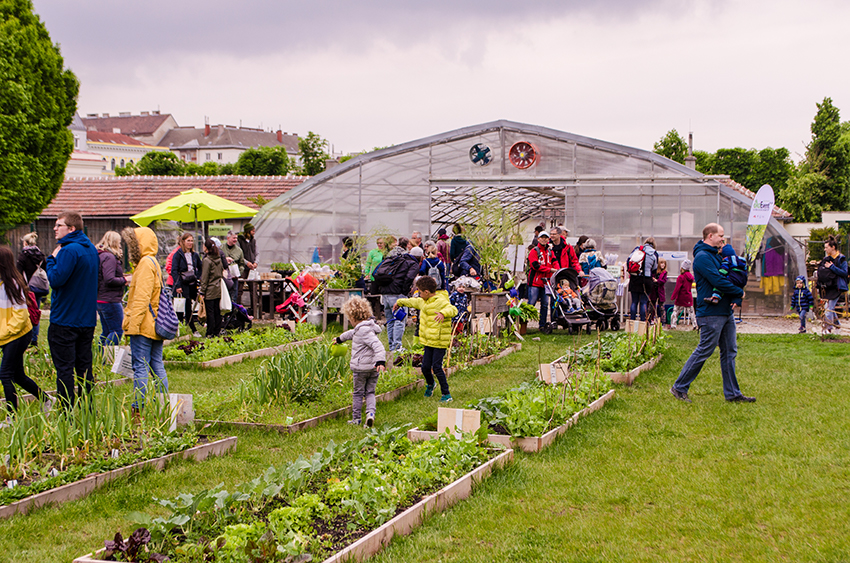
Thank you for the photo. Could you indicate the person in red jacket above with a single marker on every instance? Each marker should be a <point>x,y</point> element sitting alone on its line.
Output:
<point>682,297</point>
<point>543,263</point>
<point>565,255</point>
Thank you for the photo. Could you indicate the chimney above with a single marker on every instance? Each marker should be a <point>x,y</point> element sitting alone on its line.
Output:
<point>207,130</point>
<point>155,112</point>
<point>146,113</point>
<point>331,163</point>
<point>690,160</point>
<point>91,115</point>
<point>123,114</point>
<point>279,136</point>
<point>105,115</point>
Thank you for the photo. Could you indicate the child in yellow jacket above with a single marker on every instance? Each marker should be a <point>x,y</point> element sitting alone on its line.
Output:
<point>435,331</point>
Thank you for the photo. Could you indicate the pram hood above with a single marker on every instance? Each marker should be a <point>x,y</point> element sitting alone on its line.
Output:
<point>601,287</point>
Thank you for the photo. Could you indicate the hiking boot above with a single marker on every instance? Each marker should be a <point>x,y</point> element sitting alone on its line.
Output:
<point>370,420</point>
<point>446,398</point>
<point>680,395</point>
<point>429,390</point>
<point>741,399</point>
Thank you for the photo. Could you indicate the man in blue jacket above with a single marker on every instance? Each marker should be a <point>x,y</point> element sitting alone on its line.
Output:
<point>72,272</point>
<point>716,321</point>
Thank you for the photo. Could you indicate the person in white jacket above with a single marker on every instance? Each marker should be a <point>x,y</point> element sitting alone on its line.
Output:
<point>368,357</point>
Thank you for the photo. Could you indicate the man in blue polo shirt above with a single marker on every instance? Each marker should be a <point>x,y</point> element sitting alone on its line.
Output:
<point>716,321</point>
<point>72,271</point>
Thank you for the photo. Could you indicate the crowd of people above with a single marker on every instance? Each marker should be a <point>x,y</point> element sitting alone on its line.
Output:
<point>87,281</point>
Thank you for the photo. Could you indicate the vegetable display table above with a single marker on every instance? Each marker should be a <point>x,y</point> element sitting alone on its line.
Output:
<point>490,304</point>
<point>256,288</point>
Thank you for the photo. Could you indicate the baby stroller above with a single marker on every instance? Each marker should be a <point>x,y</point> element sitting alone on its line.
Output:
<point>600,299</point>
<point>564,313</point>
<point>236,320</point>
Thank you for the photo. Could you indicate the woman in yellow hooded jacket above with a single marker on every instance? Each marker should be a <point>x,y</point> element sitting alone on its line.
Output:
<point>15,334</point>
<point>435,331</point>
<point>140,313</point>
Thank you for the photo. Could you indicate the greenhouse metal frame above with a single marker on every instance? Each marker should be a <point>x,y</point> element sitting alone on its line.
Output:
<point>615,194</point>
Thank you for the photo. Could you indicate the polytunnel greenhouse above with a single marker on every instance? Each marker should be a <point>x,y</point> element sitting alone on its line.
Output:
<point>615,194</point>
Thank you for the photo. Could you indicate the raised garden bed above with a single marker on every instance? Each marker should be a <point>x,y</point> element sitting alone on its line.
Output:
<point>620,356</point>
<point>81,488</point>
<point>117,381</point>
<point>236,358</point>
<point>235,347</point>
<point>346,410</point>
<point>344,503</point>
<point>530,444</point>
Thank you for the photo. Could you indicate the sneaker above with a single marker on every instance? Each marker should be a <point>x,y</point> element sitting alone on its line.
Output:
<point>354,422</point>
<point>741,399</point>
<point>680,395</point>
<point>802,330</point>
<point>400,350</point>
<point>196,334</point>
<point>48,404</point>
<point>370,420</point>
<point>429,390</point>
<point>446,398</point>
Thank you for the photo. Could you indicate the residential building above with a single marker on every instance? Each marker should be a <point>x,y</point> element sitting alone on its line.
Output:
<point>117,149</point>
<point>223,144</point>
<point>149,127</point>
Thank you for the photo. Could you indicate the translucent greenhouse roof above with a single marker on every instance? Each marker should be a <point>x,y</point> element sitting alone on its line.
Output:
<point>614,192</point>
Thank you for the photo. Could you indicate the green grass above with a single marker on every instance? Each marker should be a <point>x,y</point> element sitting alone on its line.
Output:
<point>646,478</point>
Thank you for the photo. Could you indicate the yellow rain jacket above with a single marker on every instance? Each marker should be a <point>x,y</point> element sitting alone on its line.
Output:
<point>432,333</point>
<point>144,288</point>
<point>14,318</point>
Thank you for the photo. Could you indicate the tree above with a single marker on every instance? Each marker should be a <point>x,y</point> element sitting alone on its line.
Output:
<point>749,167</point>
<point>828,154</point>
<point>823,179</point>
<point>37,103</point>
<point>155,163</point>
<point>313,156</point>
<point>673,146</point>
<point>263,161</point>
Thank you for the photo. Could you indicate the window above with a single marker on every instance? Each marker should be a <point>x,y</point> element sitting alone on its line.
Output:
<point>208,156</point>
<point>219,156</point>
<point>113,164</point>
<point>122,163</point>
<point>76,142</point>
<point>131,161</point>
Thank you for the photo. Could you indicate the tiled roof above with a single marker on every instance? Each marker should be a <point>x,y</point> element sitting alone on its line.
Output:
<point>778,212</point>
<point>224,136</point>
<point>129,124</point>
<point>116,138</point>
<point>123,196</point>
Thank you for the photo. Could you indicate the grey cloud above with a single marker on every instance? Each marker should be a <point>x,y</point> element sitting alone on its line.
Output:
<point>110,30</point>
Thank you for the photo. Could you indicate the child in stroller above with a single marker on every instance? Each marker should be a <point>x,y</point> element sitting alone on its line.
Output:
<point>565,295</point>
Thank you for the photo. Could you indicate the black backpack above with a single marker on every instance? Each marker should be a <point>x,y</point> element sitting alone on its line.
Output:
<point>826,277</point>
<point>386,271</point>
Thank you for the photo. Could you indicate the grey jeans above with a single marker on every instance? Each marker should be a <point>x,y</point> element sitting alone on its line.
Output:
<point>364,386</point>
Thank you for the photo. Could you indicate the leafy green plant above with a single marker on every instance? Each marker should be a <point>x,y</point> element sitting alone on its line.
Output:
<point>343,489</point>
<point>299,375</point>
<point>237,343</point>
<point>617,351</point>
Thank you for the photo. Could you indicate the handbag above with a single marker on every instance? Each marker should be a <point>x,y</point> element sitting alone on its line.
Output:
<point>202,311</point>
<point>188,278</point>
<point>165,320</point>
<point>225,304</point>
<point>179,304</point>
<point>32,308</point>
<point>39,282</point>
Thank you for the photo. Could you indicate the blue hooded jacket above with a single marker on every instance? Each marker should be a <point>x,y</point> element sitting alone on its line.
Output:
<point>73,280</point>
<point>708,277</point>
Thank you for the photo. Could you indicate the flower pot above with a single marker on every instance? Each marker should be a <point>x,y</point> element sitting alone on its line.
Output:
<point>523,326</point>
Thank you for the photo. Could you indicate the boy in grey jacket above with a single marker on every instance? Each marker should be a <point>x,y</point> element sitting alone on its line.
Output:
<point>368,357</point>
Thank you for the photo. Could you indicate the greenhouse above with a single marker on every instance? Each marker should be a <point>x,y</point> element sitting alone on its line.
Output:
<point>615,194</point>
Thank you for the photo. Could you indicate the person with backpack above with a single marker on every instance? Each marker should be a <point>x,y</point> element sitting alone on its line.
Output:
<point>590,257</point>
<point>642,266</point>
<point>832,281</point>
<point>31,264</point>
<point>393,280</point>
<point>565,254</point>
<point>141,312</point>
<point>433,266</point>
<point>542,264</point>
<point>716,321</point>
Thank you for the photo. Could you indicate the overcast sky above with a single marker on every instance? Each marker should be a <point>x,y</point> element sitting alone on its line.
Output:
<point>362,74</point>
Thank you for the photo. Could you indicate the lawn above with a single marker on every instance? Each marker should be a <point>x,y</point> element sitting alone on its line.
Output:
<point>646,478</point>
